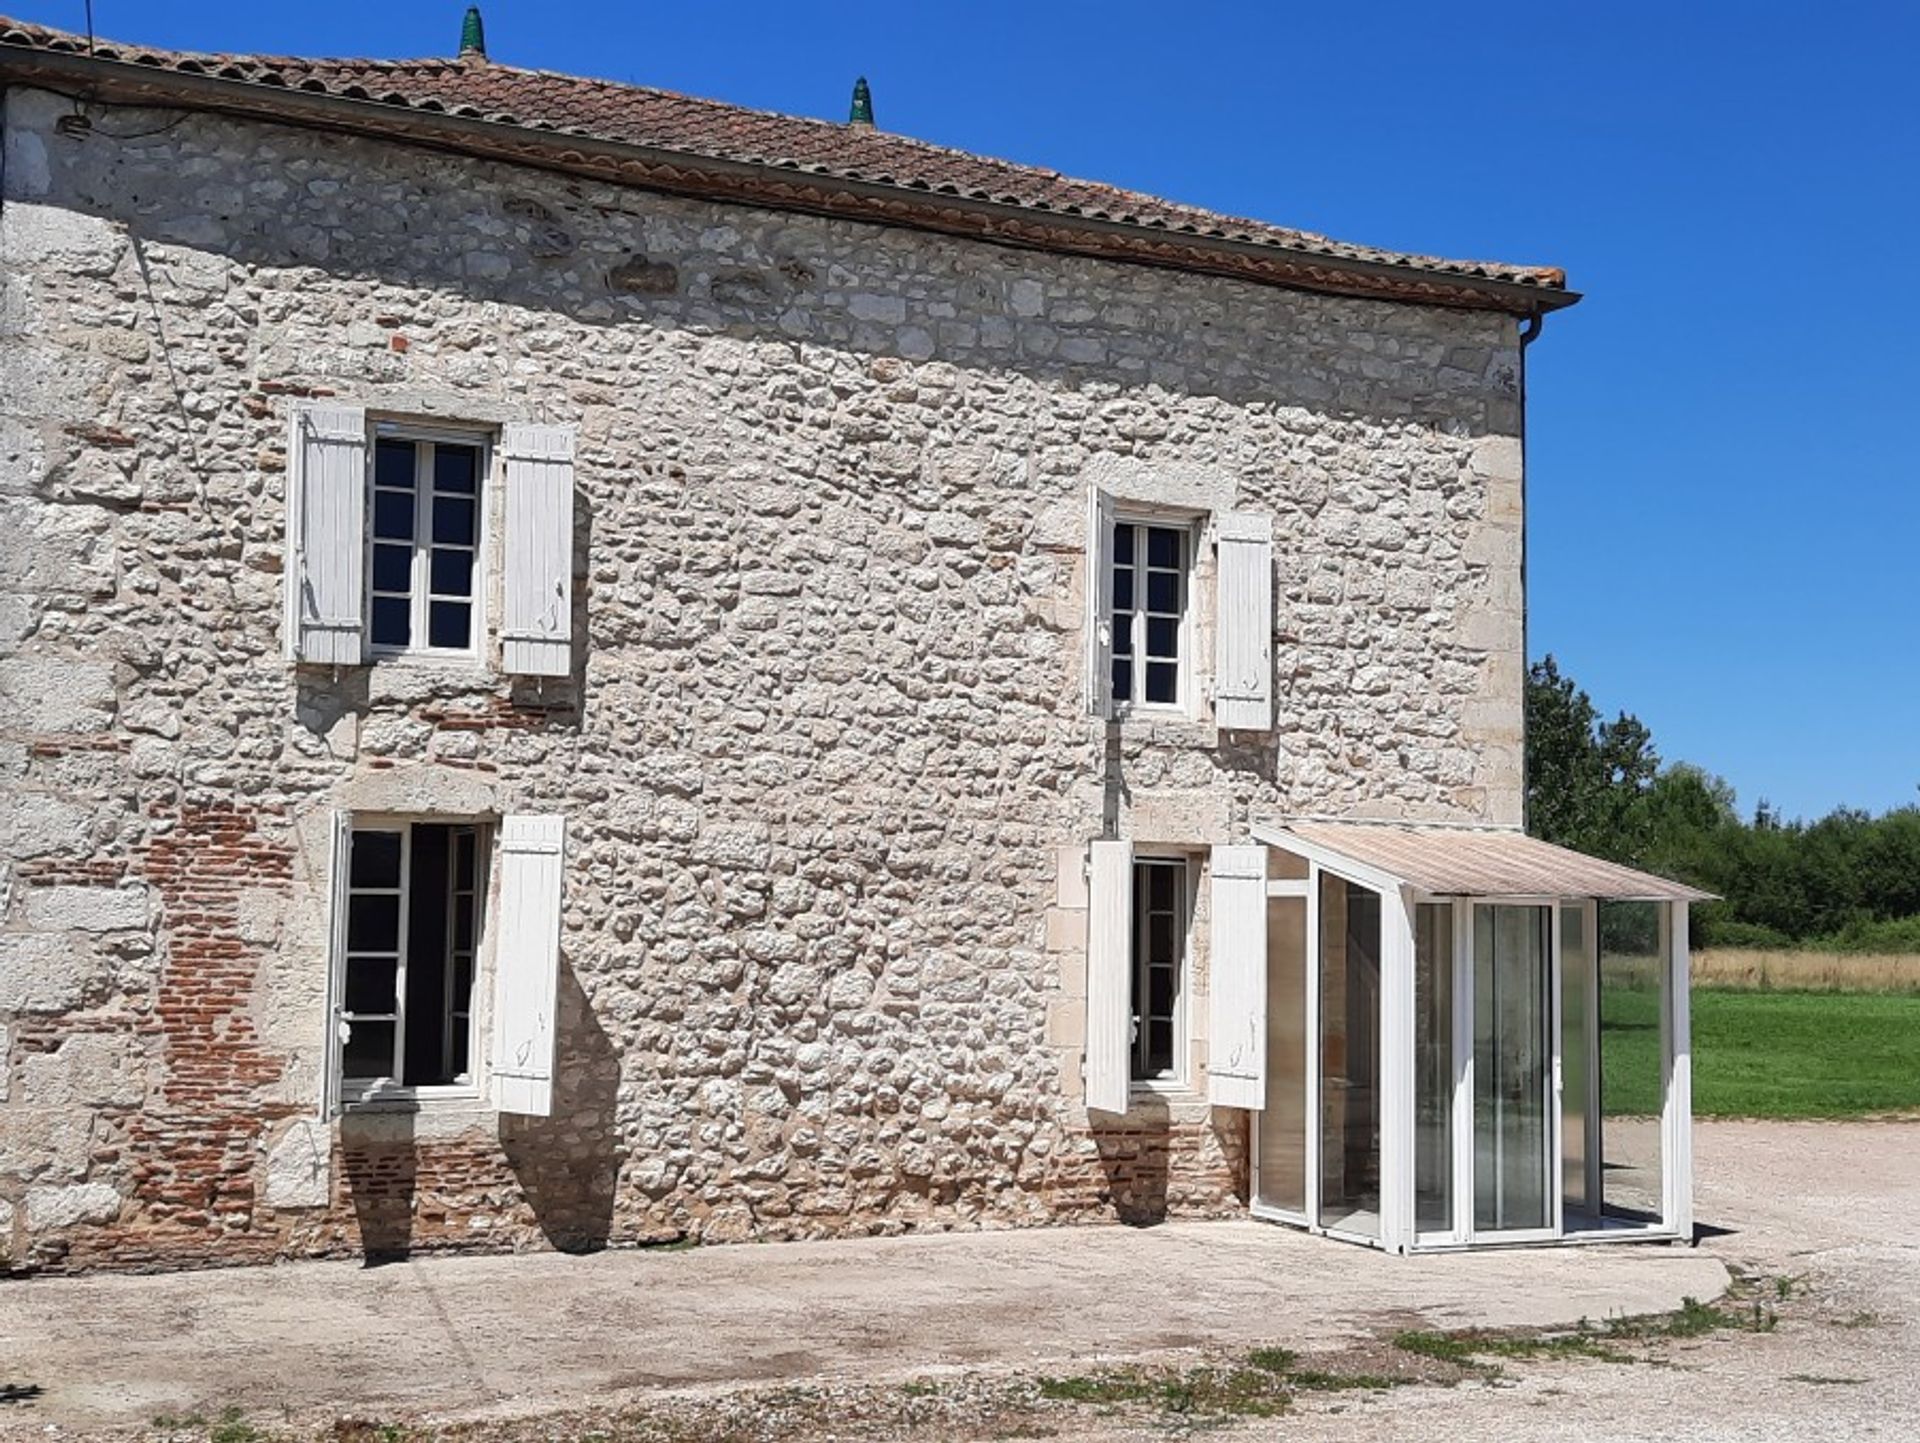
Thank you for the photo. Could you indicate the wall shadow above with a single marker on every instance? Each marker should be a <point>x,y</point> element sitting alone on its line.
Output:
<point>568,1164</point>
<point>380,1162</point>
<point>1135,1158</point>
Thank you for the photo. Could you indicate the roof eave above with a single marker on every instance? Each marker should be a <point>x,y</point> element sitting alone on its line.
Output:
<point>783,187</point>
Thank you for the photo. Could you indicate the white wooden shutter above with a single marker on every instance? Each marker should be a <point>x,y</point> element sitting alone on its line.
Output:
<point>526,979</point>
<point>1099,630</point>
<point>536,636</point>
<point>325,573</point>
<point>1237,979</point>
<point>334,1032</point>
<point>1109,976</point>
<point>1243,634</point>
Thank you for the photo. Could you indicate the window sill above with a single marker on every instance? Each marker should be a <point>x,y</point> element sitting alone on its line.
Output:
<point>1170,726</point>
<point>417,1099</point>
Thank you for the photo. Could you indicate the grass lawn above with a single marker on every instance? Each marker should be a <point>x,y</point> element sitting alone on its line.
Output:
<point>1769,1054</point>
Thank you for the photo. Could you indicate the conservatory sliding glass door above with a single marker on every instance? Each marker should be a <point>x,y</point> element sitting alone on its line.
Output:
<point>1515,1166</point>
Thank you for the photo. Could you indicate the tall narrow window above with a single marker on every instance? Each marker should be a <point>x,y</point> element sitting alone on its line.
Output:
<point>414,902</point>
<point>1159,968</point>
<point>1150,646</point>
<point>425,540</point>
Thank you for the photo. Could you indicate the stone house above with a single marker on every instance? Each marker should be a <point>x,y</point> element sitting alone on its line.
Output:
<point>580,667</point>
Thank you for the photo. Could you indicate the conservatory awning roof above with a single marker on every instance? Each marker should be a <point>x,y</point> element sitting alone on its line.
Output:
<point>1458,861</point>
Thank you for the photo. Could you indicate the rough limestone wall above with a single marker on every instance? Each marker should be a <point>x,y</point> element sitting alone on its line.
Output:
<point>822,758</point>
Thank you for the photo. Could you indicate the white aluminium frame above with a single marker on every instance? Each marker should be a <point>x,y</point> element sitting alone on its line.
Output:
<point>1398,1111</point>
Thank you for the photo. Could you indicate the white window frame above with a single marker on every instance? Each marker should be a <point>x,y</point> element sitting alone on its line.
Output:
<point>1188,526</point>
<point>420,595</point>
<point>1179,1079</point>
<point>363,1094</point>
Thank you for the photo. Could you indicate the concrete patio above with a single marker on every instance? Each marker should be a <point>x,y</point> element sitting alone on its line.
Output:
<point>464,1337</point>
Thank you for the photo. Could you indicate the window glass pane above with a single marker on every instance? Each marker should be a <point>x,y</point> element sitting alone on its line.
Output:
<point>393,568</point>
<point>1349,982</point>
<point>393,515</point>
<point>1282,1125</point>
<point>393,464</point>
<point>369,984</point>
<point>1163,636</point>
<point>1163,591</point>
<point>1123,588</point>
<point>1512,1063</point>
<point>373,922</point>
<point>1163,546</point>
<point>392,623</point>
<point>1123,636</point>
<point>1122,679</point>
<point>1433,1067</point>
<point>1632,1090</point>
<point>369,1051</point>
<point>463,925</point>
<point>455,468</point>
<point>1123,544</point>
<point>452,571</point>
<point>447,623</point>
<point>1160,1047</point>
<point>1160,890</point>
<point>465,845</point>
<point>453,520</point>
<point>1160,992</point>
<point>1163,682</point>
<point>376,860</point>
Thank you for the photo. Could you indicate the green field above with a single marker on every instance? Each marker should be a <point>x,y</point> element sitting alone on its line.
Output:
<point>1769,1054</point>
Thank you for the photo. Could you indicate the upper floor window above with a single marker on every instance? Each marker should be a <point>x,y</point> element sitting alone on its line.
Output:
<point>424,544</point>
<point>388,551</point>
<point>1150,585</point>
<point>1145,570</point>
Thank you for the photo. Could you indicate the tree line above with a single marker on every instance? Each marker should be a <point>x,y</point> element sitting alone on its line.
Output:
<point>1849,881</point>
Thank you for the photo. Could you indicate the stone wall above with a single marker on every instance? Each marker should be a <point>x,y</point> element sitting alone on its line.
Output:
<point>823,760</point>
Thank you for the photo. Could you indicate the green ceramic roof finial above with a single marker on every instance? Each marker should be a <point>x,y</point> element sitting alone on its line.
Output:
<point>473,35</point>
<point>862,112</point>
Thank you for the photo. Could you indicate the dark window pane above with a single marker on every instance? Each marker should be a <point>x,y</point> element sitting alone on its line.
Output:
<point>1123,588</point>
<point>392,621</point>
<point>1160,884</point>
<point>373,922</point>
<point>455,468</point>
<point>1163,636</point>
<point>447,623</point>
<point>1122,679</point>
<point>1163,684</point>
<point>1160,992</point>
<point>393,568</point>
<point>376,860</point>
<point>452,571</point>
<point>457,1061</point>
<point>1160,937</point>
<point>453,520</point>
<point>465,845</point>
<point>370,984</point>
<point>1123,635</point>
<point>1163,591</point>
<point>393,515</point>
<point>1163,546</point>
<point>463,926</point>
<point>1159,1046</point>
<point>369,1051</point>
<point>393,464</point>
<point>1123,544</point>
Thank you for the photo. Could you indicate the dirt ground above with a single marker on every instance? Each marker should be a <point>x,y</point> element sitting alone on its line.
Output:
<point>948,1337</point>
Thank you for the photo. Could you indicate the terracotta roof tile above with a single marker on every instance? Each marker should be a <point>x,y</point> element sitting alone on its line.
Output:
<point>540,100</point>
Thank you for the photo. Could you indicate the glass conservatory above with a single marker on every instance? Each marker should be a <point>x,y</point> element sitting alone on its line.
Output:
<point>1472,1038</point>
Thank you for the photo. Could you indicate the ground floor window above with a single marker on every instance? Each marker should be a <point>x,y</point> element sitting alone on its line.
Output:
<point>415,898</point>
<point>1159,968</point>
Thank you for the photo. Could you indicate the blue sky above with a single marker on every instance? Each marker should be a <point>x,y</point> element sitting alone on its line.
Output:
<point>1725,500</point>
